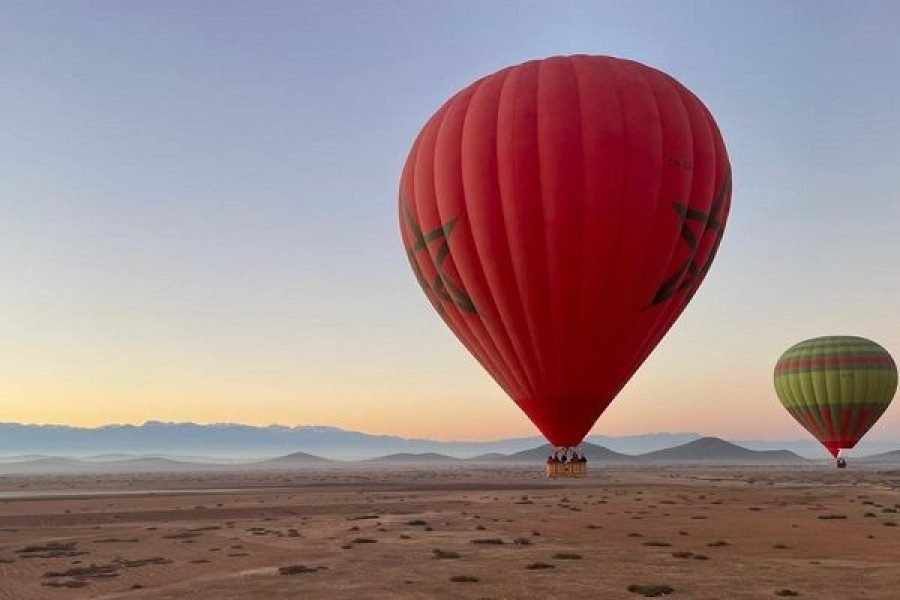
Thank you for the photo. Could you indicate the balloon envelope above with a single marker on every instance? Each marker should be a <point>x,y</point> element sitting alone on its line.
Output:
<point>559,215</point>
<point>836,387</point>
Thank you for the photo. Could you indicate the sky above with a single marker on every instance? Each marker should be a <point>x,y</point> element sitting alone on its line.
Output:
<point>198,206</point>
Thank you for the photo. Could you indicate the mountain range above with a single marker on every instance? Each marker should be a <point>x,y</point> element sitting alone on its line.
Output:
<point>229,442</point>
<point>246,441</point>
<point>702,451</point>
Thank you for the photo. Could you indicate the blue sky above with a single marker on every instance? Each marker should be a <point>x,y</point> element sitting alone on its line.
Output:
<point>197,208</point>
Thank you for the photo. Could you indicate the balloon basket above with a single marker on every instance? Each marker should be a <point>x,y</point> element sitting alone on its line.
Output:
<point>568,470</point>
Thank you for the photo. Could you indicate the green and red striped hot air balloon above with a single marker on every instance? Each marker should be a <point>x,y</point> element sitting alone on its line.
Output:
<point>836,387</point>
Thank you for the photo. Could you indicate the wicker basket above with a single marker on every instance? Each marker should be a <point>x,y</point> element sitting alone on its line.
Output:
<point>566,469</point>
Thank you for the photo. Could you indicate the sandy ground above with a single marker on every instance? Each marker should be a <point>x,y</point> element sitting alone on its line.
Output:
<point>716,533</point>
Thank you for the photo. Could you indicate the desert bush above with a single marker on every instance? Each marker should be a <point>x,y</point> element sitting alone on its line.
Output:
<point>651,591</point>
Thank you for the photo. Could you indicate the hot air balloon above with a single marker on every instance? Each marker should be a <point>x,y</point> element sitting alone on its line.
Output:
<point>559,215</point>
<point>836,387</point>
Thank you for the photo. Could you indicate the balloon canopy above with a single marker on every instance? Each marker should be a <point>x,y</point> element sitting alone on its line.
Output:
<point>836,387</point>
<point>559,215</point>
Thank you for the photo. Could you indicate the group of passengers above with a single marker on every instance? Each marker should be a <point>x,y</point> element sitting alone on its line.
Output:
<point>562,458</point>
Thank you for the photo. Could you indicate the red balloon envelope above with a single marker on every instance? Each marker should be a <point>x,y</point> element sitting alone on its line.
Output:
<point>560,215</point>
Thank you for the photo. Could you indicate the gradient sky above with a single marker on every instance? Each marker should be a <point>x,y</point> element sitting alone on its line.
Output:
<point>197,206</point>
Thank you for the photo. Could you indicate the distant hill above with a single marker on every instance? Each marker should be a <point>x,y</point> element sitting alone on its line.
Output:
<point>489,457</point>
<point>110,457</point>
<point>293,459</point>
<point>716,450</point>
<point>592,452</point>
<point>407,457</point>
<point>884,457</point>
<point>637,444</point>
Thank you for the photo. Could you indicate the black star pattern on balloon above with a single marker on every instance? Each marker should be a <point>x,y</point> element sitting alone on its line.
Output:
<point>689,275</point>
<point>441,285</point>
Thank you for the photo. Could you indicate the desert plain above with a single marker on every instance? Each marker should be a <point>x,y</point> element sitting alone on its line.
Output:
<point>697,532</point>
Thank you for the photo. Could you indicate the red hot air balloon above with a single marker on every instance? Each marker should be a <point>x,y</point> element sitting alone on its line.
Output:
<point>559,215</point>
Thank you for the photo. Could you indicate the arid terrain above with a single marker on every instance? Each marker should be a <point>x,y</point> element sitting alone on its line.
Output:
<point>453,532</point>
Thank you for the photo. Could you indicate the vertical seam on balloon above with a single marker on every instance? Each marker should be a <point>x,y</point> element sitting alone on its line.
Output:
<point>514,373</point>
<point>817,399</point>
<point>582,199</point>
<point>830,394</point>
<point>623,179</point>
<point>544,244</point>
<point>584,311</point>
<point>815,403</point>
<point>833,438</point>
<point>864,394</point>
<point>836,407</point>
<point>820,399</point>
<point>846,417</point>
<point>531,349</point>
<point>460,322</point>
<point>809,400</point>
<point>867,383</point>
<point>795,382</point>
